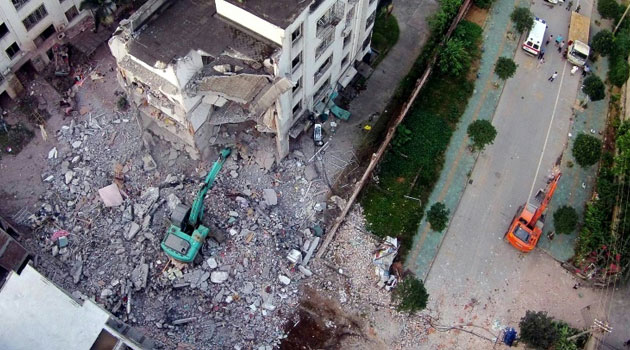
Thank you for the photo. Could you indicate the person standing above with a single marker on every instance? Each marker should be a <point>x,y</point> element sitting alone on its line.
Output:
<point>560,46</point>
<point>541,61</point>
<point>553,77</point>
<point>586,70</point>
<point>548,40</point>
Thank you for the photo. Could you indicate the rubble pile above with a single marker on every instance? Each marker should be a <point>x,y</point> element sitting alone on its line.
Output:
<point>99,227</point>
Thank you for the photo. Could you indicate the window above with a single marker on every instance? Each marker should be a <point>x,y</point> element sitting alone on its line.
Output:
<point>12,50</point>
<point>366,43</point>
<point>371,2</point>
<point>323,68</point>
<point>325,44</point>
<point>35,17</point>
<point>297,108</point>
<point>19,3</point>
<point>297,34</point>
<point>370,20</point>
<point>296,62</point>
<point>72,13</point>
<point>320,94</point>
<point>344,61</point>
<point>3,30</point>
<point>298,85</point>
<point>346,40</point>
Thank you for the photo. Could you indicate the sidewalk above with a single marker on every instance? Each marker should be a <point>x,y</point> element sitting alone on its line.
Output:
<point>412,17</point>
<point>577,184</point>
<point>459,160</point>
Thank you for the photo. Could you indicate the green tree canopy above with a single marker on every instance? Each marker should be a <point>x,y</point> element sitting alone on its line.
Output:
<point>438,216</point>
<point>411,295</point>
<point>482,133</point>
<point>594,88</point>
<point>586,150</point>
<point>505,68</point>
<point>537,330</point>
<point>565,219</point>
<point>603,42</point>
<point>523,19</point>
<point>454,58</point>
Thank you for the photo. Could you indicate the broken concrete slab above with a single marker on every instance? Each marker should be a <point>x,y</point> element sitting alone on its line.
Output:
<point>219,276</point>
<point>270,196</point>
<point>148,163</point>
<point>139,276</point>
<point>132,231</point>
<point>284,280</point>
<point>110,195</point>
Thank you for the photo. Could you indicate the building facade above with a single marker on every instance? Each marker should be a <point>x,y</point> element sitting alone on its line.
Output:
<point>269,63</point>
<point>28,30</point>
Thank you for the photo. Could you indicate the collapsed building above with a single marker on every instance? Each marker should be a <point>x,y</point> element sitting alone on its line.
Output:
<point>196,69</point>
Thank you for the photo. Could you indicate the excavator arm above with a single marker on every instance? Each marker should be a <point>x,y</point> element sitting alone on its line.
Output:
<point>196,211</point>
<point>551,188</point>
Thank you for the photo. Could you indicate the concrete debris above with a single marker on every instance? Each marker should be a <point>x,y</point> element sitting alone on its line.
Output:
<point>219,276</point>
<point>256,237</point>
<point>212,263</point>
<point>311,250</point>
<point>383,259</point>
<point>270,196</point>
<point>110,195</point>
<point>148,163</point>
<point>132,231</point>
<point>284,280</point>
<point>52,154</point>
<point>310,173</point>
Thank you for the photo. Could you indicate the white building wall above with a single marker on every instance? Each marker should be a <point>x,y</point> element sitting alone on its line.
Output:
<point>24,38</point>
<point>250,21</point>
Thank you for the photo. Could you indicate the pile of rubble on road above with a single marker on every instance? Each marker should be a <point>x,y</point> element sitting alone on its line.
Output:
<point>246,286</point>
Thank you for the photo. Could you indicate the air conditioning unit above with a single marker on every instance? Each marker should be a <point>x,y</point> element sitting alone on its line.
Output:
<point>61,35</point>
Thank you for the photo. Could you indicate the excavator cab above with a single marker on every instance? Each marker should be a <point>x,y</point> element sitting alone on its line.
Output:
<point>527,225</point>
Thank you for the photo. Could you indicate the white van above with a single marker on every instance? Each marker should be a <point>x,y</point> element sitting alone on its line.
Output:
<point>535,38</point>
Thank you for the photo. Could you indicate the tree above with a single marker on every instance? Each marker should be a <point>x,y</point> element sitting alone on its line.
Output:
<point>411,295</point>
<point>594,88</point>
<point>603,42</point>
<point>565,219</point>
<point>484,4</point>
<point>454,58</point>
<point>586,150</point>
<point>482,133</point>
<point>537,330</point>
<point>505,68</point>
<point>609,9</point>
<point>438,216</point>
<point>619,71</point>
<point>101,10</point>
<point>523,19</point>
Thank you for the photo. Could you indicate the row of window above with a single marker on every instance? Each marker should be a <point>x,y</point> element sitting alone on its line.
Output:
<point>19,3</point>
<point>32,19</point>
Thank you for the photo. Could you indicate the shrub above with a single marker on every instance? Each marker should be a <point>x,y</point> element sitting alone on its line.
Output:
<point>609,9</point>
<point>470,33</point>
<point>537,330</point>
<point>619,71</point>
<point>411,295</point>
<point>482,133</point>
<point>484,4</point>
<point>454,58</point>
<point>437,216</point>
<point>594,88</point>
<point>403,135</point>
<point>586,150</point>
<point>603,42</point>
<point>523,19</point>
<point>122,103</point>
<point>565,219</point>
<point>505,68</point>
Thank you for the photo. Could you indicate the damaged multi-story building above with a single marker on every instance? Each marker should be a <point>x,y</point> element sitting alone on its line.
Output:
<point>196,69</point>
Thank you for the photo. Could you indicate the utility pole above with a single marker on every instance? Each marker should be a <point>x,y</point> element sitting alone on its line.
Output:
<point>621,20</point>
<point>597,328</point>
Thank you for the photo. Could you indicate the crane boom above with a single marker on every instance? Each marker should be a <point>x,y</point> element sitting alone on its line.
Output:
<point>551,188</point>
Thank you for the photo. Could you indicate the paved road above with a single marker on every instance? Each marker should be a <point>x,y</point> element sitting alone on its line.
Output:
<point>474,262</point>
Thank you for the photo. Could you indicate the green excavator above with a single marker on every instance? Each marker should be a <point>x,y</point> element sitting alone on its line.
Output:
<point>187,234</point>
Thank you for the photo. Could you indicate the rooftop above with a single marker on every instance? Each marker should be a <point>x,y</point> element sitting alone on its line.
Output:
<point>279,12</point>
<point>192,25</point>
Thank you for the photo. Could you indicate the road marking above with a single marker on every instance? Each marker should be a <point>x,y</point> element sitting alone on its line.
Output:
<point>553,115</point>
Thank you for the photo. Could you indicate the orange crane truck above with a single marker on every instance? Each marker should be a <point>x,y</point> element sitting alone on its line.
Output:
<point>526,228</point>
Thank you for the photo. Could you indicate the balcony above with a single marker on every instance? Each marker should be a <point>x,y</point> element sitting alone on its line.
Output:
<point>322,69</point>
<point>329,20</point>
<point>325,44</point>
